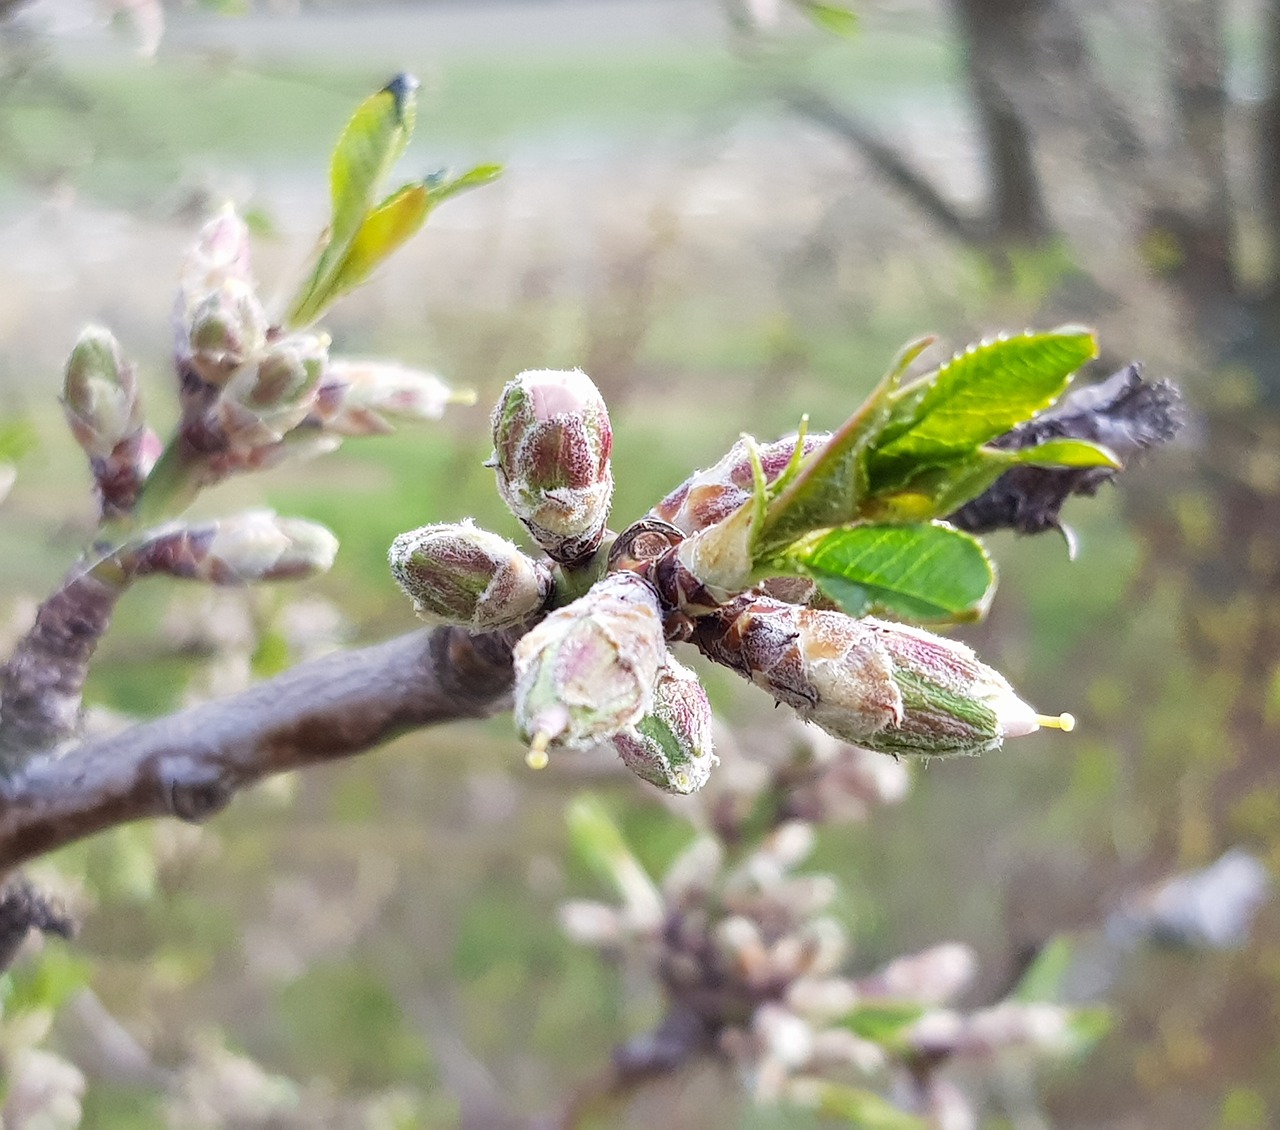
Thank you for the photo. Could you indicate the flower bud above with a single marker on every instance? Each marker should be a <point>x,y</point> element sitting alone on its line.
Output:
<point>100,394</point>
<point>882,686</point>
<point>711,495</point>
<point>266,400</point>
<point>461,574</point>
<point>671,745</point>
<point>588,670</point>
<point>354,397</point>
<point>220,253</point>
<point>243,549</point>
<point>552,440</point>
<point>226,328</point>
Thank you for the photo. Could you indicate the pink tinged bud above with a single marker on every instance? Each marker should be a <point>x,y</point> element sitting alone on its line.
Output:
<point>933,976</point>
<point>355,397</point>
<point>221,253</point>
<point>710,496</point>
<point>460,574</point>
<point>225,328</point>
<point>671,745</point>
<point>588,670</point>
<point>100,394</point>
<point>552,441</point>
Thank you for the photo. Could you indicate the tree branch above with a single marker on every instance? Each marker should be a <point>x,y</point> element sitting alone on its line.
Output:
<point>192,763</point>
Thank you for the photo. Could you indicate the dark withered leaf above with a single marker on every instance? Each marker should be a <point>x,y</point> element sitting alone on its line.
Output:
<point>1124,413</point>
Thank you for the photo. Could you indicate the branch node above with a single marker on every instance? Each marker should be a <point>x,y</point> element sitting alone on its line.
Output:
<point>194,792</point>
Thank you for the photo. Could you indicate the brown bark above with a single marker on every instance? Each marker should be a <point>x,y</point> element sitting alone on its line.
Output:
<point>191,764</point>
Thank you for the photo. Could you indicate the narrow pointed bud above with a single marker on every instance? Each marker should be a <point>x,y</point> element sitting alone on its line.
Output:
<point>588,670</point>
<point>356,397</point>
<point>882,686</point>
<point>224,329</point>
<point>671,745</point>
<point>243,549</point>
<point>221,252</point>
<point>272,397</point>
<point>552,441</point>
<point>460,574</point>
<point>100,394</point>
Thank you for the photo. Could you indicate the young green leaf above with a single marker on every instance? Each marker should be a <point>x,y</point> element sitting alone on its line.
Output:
<point>975,397</point>
<point>883,1022</point>
<point>387,228</point>
<point>859,1107</point>
<point>919,572</point>
<point>369,146</point>
<point>834,18</point>
<point>829,488</point>
<point>440,187</point>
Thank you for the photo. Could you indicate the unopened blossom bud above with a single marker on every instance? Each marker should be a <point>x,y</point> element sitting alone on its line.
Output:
<point>671,745</point>
<point>711,495</point>
<point>221,252</point>
<point>243,549</point>
<point>882,686</point>
<point>552,440</point>
<point>588,670</point>
<point>272,397</point>
<point>100,394</point>
<point>933,976</point>
<point>461,574</point>
<point>225,328</point>
<point>355,397</point>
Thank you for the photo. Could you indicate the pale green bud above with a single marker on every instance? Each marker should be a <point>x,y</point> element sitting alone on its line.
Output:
<point>671,745</point>
<point>457,573</point>
<point>100,394</point>
<point>355,397</point>
<point>272,397</point>
<point>227,327</point>
<point>552,441</point>
<point>588,670</point>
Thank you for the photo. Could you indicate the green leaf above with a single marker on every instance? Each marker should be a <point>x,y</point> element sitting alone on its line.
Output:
<point>1062,453</point>
<point>1088,1026</point>
<point>883,1022</point>
<point>920,572</point>
<point>976,396</point>
<point>1044,977</point>
<point>832,17</point>
<point>862,1108</point>
<point>370,144</point>
<point>830,487</point>
<point>386,229</point>
<point>600,844</point>
<point>441,187</point>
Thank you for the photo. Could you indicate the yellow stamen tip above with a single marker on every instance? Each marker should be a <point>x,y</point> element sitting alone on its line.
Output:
<point>537,757</point>
<point>1064,722</point>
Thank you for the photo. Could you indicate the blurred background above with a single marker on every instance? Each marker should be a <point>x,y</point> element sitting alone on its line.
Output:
<point>727,216</point>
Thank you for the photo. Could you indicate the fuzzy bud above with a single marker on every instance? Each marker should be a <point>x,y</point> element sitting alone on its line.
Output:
<point>671,745</point>
<point>226,328</point>
<point>243,549</point>
<point>552,440</point>
<point>100,394</point>
<point>355,397</point>
<point>588,670</point>
<point>272,397</point>
<point>460,574</point>
<point>882,686</point>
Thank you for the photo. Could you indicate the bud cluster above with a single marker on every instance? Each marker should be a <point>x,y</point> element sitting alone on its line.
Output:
<point>254,395</point>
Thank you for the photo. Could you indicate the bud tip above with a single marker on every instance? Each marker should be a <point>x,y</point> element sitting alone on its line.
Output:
<point>537,757</point>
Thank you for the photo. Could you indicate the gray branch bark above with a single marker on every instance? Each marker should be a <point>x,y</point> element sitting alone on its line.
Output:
<point>192,763</point>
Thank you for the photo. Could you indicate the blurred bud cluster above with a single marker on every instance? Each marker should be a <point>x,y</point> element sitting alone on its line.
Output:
<point>753,957</point>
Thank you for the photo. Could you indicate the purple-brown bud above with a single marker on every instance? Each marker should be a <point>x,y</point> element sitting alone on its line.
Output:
<point>552,440</point>
<point>460,574</point>
<point>882,686</point>
<point>671,745</point>
<point>588,670</point>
